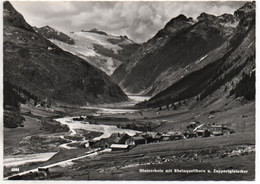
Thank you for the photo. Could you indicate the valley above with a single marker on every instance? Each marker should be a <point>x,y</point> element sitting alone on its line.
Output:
<point>93,105</point>
<point>65,148</point>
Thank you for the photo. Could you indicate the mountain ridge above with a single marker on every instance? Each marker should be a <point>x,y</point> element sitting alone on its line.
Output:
<point>185,34</point>
<point>227,76</point>
<point>175,53</point>
<point>44,70</point>
<point>51,33</point>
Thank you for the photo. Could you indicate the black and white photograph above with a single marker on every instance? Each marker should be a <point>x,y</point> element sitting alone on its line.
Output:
<point>129,90</point>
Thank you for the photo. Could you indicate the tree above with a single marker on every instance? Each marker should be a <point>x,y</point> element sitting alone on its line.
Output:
<point>197,98</point>
<point>174,107</point>
<point>168,107</point>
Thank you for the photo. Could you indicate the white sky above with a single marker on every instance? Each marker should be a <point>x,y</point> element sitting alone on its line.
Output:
<point>138,20</point>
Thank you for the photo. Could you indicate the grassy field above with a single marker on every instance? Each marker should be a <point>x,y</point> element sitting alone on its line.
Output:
<point>12,136</point>
<point>201,153</point>
<point>204,154</point>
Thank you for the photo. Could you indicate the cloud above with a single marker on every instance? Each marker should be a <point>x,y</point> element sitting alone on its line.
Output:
<point>138,20</point>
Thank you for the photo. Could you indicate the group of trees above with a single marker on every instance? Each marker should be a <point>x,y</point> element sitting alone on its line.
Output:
<point>172,105</point>
<point>245,87</point>
<point>14,95</point>
<point>216,74</point>
<point>11,96</point>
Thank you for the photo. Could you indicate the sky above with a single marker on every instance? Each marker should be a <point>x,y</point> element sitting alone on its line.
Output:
<point>138,20</point>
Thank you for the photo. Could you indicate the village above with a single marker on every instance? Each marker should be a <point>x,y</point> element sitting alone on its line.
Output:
<point>123,142</point>
<point>195,129</point>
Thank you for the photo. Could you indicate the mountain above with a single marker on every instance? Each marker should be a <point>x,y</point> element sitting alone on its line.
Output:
<point>51,33</point>
<point>13,18</point>
<point>38,69</point>
<point>98,48</point>
<point>224,73</point>
<point>173,51</point>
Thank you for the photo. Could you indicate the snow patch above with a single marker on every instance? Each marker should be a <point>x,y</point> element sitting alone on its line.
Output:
<point>87,52</point>
<point>84,47</point>
<point>250,44</point>
<point>229,24</point>
<point>198,61</point>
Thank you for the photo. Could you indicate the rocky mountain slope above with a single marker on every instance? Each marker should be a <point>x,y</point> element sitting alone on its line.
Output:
<point>40,70</point>
<point>174,52</point>
<point>224,72</point>
<point>98,48</point>
<point>51,33</point>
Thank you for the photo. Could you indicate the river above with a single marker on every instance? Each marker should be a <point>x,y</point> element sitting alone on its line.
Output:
<point>107,130</point>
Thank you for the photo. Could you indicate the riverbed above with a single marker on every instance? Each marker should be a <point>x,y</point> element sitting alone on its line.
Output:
<point>74,125</point>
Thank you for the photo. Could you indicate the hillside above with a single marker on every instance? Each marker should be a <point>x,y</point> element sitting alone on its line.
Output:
<point>175,51</point>
<point>42,71</point>
<point>98,48</point>
<point>227,71</point>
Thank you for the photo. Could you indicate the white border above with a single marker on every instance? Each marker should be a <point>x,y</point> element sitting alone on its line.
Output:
<point>257,177</point>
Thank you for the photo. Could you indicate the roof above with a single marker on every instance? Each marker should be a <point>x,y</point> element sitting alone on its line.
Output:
<point>194,122</point>
<point>153,133</point>
<point>147,136</point>
<point>124,146</point>
<point>200,130</point>
<point>174,133</point>
<point>121,137</point>
<point>157,137</point>
<point>220,126</point>
<point>138,138</point>
<point>165,135</point>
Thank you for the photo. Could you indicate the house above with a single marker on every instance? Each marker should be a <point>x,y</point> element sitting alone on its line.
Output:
<point>118,147</point>
<point>189,134</point>
<point>152,136</point>
<point>193,125</point>
<point>148,137</point>
<point>171,137</point>
<point>216,128</point>
<point>91,143</point>
<point>87,145</point>
<point>139,139</point>
<point>43,169</point>
<point>175,137</point>
<point>115,138</point>
<point>102,143</point>
<point>165,137</point>
<point>164,121</point>
<point>156,138</point>
<point>121,138</point>
<point>203,133</point>
<point>135,140</point>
